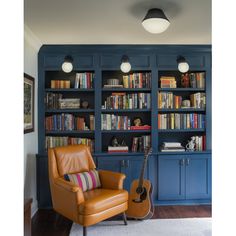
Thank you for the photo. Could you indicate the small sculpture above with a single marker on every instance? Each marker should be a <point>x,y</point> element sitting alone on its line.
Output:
<point>190,146</point>
<point>85,104</point>
<point>123,143</point>
<point>185,80</point>
<point>114,142</point>
<point>137,121</point>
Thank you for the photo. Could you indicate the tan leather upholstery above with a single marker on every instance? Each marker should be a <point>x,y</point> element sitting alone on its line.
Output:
<point>85,208</point>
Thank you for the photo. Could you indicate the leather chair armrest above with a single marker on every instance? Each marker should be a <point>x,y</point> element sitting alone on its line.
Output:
<point>111,180</point>
<point>70,187</point>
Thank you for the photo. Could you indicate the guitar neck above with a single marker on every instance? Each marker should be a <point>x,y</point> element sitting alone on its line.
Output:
<point>141,177</point>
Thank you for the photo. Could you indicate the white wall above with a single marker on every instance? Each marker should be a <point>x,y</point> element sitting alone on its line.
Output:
<point>31,48</point>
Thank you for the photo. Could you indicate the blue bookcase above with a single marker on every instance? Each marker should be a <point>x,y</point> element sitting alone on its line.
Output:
<point>177,177</point>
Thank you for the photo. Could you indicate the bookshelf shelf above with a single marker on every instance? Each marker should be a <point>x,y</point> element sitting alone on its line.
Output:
<point>66,132</point>
<point>69,90</point>
<point>182,110</point>
<point>124,110</point>
<point>182,89</point>
<point>69,110</point>
<point>180,130</point>
<point>125,131</point>
<point>126,90</point>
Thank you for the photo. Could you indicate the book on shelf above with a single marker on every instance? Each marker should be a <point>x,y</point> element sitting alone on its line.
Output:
<point>55,84</point>
<point>141,127</point>
<point>113,86</point>
<point>137,80</point>
<point>52,100</point>
<point>69,103</point>
<point>115,122</point>
<point>92,122</point>
<point>139,144</point>
<point>84,80</point>
<point>118,149</point>
<point>128,101</point>
<point>172,147</point>
<point>168,82</point>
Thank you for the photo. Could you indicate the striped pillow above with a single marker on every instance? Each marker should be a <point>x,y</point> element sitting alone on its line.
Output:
<point>86,180</point>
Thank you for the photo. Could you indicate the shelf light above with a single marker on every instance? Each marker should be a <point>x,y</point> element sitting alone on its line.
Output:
<point>183,65</point>
<point>125,65</point>
<point>67,65</point>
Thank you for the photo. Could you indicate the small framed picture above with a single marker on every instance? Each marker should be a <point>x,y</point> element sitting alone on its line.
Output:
<point>28,104</point>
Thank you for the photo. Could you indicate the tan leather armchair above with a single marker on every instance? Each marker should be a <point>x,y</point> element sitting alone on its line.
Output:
<point>90,207</point>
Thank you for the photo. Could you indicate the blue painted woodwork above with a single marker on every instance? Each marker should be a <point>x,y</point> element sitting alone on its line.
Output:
<point>172,183</point>
<point>184,176</point>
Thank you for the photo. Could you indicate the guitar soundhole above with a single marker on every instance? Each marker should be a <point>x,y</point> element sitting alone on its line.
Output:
<point>139,190</point>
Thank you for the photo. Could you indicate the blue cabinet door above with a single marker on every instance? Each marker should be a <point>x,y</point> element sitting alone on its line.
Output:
<point>112,165</point>
<point>198,175</point>
<point>132,170</point>
<point>171,179</point>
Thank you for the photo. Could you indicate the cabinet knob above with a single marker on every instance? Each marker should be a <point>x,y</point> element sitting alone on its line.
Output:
<point>187,161</point>
<point>182,161</point>
<point>122,163</point>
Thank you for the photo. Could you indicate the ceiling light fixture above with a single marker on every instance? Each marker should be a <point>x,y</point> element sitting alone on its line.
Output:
<point>67,65</point>
<point>125,65</point>
<point>155,21</point>
<point>183,66</point>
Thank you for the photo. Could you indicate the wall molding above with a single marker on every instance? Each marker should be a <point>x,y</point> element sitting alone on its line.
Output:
<point>31,38</point>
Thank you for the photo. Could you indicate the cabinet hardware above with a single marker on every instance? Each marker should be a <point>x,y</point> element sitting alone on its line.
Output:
<point>182,161</point>
<point>187,161</point>
<point>122,163</point>
<point>127,163</point>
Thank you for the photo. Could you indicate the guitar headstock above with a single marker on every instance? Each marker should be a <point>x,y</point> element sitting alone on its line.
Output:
<point>147,152</point>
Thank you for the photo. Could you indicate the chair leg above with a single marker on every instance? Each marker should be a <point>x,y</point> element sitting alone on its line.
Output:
<point>84,231</point>
<point>124,218</point>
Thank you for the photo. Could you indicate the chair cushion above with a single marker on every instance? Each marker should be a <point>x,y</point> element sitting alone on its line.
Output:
<point>99,200</point>
<point>86,180</point>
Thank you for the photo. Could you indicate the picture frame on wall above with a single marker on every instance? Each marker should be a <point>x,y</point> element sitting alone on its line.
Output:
<point>28,103</point>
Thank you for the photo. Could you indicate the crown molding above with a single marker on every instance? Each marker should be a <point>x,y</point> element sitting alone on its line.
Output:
<point>31,38</point>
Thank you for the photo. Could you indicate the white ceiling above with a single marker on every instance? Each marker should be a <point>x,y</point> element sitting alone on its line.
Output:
<point>117,21</point>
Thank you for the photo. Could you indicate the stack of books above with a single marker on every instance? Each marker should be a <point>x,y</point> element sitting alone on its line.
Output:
<point>168,82</point>
<point>112,149</point>
<point>172,147</point>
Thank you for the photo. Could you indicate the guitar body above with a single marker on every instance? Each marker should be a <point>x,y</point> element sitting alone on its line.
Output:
<point>140,204</point>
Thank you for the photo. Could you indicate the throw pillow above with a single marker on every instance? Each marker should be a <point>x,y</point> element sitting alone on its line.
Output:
<point>86,180</point>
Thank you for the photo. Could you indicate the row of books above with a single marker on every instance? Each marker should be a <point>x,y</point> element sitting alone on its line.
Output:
<point>168,82</point>
<point>172,147</point>
<point>64,121</point>
<point>181,121</point>
<point>60,84</point>
<point>55,141</point>
<point>137,80</point>
<point>197,80</point>
<point>51,100</point>
<point>139,144</point>
<point>84,80</point>
<point>169,100</point>
<point>128,101</point>
<point>114,122</point>
<point>200,143</point>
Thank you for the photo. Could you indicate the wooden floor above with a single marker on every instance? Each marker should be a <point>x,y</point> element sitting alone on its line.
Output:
<point>49,223</point>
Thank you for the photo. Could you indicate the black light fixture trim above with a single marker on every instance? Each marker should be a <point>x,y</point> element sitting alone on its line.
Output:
<point>68,58</point>
<point>124,59</point>
<point>181,59</point>
<point>155,13</point>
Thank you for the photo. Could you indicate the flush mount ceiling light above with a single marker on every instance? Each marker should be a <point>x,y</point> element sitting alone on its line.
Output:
<point>182,64</point>
<point>67,65</point>
<point>125,66</point>
<point>155,21</point>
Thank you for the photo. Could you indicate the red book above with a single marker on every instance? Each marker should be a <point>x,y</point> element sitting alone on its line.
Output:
<point>143,127</point>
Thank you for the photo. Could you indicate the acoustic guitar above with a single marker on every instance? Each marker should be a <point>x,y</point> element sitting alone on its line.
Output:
<point>140,205</point>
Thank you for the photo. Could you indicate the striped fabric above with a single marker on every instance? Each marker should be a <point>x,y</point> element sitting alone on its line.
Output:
<point>86,180</point>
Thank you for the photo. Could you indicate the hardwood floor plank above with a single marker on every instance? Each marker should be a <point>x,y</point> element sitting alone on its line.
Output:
<point>49,223</point>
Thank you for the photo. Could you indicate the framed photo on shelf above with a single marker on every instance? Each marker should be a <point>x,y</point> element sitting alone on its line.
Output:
<point>28,103</point>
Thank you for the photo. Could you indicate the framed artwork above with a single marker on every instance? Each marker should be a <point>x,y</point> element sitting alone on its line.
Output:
<point>28,104</point>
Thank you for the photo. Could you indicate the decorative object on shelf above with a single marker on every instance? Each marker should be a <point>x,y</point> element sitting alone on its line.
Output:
<point>155,21</point>
<point>28,103</point>
<point>190,146</point>
<point>137,121</point>
<point>172,147</point>
<point>185,80</point>
<point>114,142</point>
<point>125,65</point>
<point>183,66</point>
<point>85,104</point>
<point>69,103</point>
<point>123,143</point>
<point>185,104</point>
<point>168,82</point>
<point>67,65</point>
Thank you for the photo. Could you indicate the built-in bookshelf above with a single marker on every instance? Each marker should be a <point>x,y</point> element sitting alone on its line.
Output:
<point>182,108</point>
<point>123,104</point>
<point>98,105</point>
<point>69,108</point>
